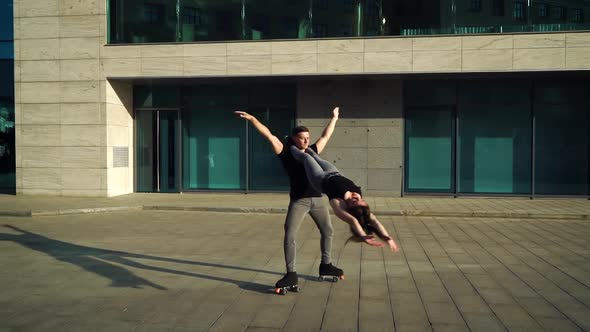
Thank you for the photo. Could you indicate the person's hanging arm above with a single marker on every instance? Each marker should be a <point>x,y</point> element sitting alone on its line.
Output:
<point>383,234</point>
<point>339,208</point>
<point>328,131</point>
<point>277,146</point>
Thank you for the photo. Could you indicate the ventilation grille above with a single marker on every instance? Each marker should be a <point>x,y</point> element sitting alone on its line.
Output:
<point>120,156</point>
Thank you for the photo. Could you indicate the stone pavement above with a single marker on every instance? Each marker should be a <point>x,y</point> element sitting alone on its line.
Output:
<point>141,269</point>
<point>11,205</point>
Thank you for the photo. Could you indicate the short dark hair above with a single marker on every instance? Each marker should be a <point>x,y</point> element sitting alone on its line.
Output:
<point>299,129</point>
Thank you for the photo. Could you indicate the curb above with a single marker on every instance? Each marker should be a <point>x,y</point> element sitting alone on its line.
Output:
<point>413,213</point>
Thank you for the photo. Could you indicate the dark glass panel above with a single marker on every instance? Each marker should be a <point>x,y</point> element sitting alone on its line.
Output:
<point>6,20</point>
<point>202,20</point>
<point>348,18</point>
<point>143,21</point>
<point>277,19</point>
<point>494,147</point>
<point>562,126</point>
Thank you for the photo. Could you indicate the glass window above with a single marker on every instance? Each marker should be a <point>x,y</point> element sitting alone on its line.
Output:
<point>138,21</point>
<point>210,20</point>
<point>498,7</point>
<point>562,126</point>
<point>429,150</point>
<point>577,15</point>
<point>6,20</point>
<point>519,10</point>
<point>475,5</point>
<point>494,147</point>
<point>272,19</point>
<point>543,9</point>
<point>560,13</point>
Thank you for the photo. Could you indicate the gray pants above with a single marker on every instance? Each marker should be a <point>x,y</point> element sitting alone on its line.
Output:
<point>318,210</point>
<point>316,168</point>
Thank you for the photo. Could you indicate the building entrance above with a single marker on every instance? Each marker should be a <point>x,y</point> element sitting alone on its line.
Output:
<point>158,150</point>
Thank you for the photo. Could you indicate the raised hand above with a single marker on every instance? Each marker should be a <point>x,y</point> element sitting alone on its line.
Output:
<point>336,111</point>
<point>244,115</point>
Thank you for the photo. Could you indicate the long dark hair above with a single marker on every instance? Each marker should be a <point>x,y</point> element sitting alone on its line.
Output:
<point>363,215</point>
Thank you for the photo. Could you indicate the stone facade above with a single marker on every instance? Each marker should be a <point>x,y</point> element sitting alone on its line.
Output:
<point>72,104</point>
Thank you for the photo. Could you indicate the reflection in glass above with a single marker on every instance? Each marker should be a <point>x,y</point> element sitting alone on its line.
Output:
<point>562,126</point>
<point>202,20</point>
<point>141,21</point>
<point>495,157</point>
<point>276,19</point>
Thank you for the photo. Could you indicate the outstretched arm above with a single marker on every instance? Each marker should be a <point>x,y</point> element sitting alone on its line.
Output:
<point>385,236</point>
<point>277,145</point>
<point>328,131</point>
<point>339,207</point>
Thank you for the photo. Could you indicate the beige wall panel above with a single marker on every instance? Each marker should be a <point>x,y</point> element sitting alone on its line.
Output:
<point>238,49</point>
<point>357,175</point>
<point>102,31</point>
<point>78,7</point>
<point>204,65</point>
<point>384,157</point>
<point>436,44</point>
<point>539,40</point>
<point>118,181</point>
<point>30,8</point>
<point>117,136</point>
<point>578,39</point>
<point>79,70</point>
<point>39,114</point>
<point>120,51</point>
<point>39,27</point>
<point>341,46</point>
<point>388,62</point>
<point>41,178</point>
<point>474,60</point>
<point>84,113</point>
<point>79,26</point>
<point>39,71</point>
<point>294,47</point>
<point>294,63</point>
<point>83,135</point>
<point>386,181</point>
<point>162,51</point>
<point>84,193</point>
<point>40,157</point>
<point>388,45</point>
<point>494,42</point>
<point>161,66</point>
<point>127,67</point>
<point>39,135</point>
<point>79,92</point>
<point>119,93</point>
<point>101,7</point>
<point>83,157</point>
<point>578,58</point>
<point>39,49</point>
<point>348,137</point>
<point>249,65</point>
<point>47,92</point>
<point>16,8</point>
<point>117,115</point>
<point>340,63</point>
<point>16,29</point>
<point>79,48</point>
<point>385,137</point>
<point>83,179</point>
<point>541,58</point>
<point>17,70</point>
<point>201,50</point>
<point>346,157</point>
<point>437,61</point>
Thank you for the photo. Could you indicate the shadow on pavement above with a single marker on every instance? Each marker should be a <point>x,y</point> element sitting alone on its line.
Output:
<point>95,260</point>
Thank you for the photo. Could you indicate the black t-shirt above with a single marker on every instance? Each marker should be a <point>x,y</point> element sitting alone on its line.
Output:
<point>336,186</point>
<point>300,187</point>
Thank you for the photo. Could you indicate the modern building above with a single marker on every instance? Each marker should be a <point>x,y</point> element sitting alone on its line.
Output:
<point>449,97</point>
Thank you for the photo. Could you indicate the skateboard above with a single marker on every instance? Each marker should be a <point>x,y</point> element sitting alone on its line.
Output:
<point>285,290</point>
<point>330,278</point>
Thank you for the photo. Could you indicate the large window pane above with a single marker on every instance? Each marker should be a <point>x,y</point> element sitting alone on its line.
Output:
<point>494,147</point>
<point>429,150</point>
<point>210,20</point>
<point>143,21</point>
<point>424,17</point>
<point>277,19</point>
<point>560,15</point>
<point>562,116</point>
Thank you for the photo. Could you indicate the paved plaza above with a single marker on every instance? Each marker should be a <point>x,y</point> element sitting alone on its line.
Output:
<point>186,269</point>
